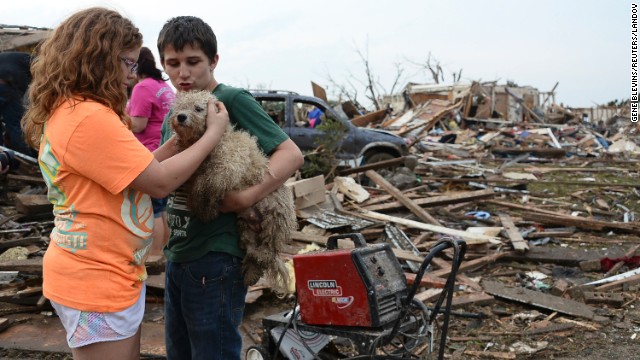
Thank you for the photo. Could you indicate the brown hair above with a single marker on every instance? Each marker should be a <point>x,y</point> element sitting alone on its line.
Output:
<point>81,59</point>
<point>181,31</point>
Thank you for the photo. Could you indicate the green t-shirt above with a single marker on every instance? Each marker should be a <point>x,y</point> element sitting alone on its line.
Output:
<point>191,238</point>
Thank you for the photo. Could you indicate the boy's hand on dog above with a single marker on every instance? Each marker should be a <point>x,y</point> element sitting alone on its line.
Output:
<point>217,116</point>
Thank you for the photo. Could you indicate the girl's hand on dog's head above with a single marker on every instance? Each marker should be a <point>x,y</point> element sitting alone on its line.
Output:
<point>217,115</point>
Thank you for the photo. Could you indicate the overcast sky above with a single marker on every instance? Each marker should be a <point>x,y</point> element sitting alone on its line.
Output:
<point>286,44</point>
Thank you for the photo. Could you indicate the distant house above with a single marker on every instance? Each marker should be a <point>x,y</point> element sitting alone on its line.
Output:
<point>21,37</point>
<point>478,100</point>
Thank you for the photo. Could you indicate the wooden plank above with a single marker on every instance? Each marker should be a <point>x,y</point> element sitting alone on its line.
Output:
<point>319,92</point>
<point>365,119</point>
<point>519,244</point>
<point>535,151</point>
<point>599,297</point>
<point>556,218</point>
<point>582,223</point>
<point>6,244</point>
<point>470,238</point>
<point>511,181</point>
<point>549,328</point>
<point>377,165</point>
<point>31,204</point>
<point>438,200</point>
<point>473,264</point>
<point>491,354</point>
<point>26,178</point>
<point>398,195</point>
<point>479,299</point>
<point>561,255</point>
<point>428,294</point>
<point>427,281</point>
<point>27,266</point>
<point>539,299</point>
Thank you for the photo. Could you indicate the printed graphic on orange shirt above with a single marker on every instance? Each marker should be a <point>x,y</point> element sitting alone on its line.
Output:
<point>64,216</point>
<point>137,216</point>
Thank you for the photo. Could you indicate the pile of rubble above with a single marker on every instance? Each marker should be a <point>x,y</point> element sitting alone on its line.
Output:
<point>547,203</point>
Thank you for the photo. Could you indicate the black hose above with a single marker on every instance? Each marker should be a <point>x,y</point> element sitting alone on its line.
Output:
<point>459,249</point>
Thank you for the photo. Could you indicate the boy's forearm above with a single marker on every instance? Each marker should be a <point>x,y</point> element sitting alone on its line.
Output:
<point>166,150</point>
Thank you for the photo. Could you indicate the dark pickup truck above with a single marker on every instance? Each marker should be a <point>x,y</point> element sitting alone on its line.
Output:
<point>362,145</point>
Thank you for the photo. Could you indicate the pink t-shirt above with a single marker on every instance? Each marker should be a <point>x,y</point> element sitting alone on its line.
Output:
<point>151,99</point>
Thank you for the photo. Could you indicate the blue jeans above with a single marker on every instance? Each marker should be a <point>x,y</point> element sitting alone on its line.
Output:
<point>203,308</point>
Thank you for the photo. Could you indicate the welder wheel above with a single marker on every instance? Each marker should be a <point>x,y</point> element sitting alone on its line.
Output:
<point>257,352</point>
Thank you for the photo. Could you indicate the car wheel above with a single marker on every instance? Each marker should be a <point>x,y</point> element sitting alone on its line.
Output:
<point>374,158</point>
<point>377,157</point>
<point>257,352</point>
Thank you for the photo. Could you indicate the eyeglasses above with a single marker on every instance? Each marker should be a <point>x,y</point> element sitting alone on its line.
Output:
<point>132,65</point>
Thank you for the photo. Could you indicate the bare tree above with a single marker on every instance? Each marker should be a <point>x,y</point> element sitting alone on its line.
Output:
<point>372,85</point>
<point>434,68</point>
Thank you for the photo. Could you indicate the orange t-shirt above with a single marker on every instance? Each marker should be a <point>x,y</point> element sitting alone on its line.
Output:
<point>102,233</point>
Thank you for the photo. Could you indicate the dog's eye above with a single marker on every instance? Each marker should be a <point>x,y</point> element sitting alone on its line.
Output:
<point>199,109</point>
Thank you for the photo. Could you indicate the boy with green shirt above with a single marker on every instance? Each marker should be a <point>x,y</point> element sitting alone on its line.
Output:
<point>204,289</point>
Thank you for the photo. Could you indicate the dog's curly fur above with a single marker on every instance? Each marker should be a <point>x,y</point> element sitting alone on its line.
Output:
<point>236,163</point>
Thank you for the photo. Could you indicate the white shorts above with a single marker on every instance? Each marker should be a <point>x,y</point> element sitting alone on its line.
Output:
<point>84,328</point>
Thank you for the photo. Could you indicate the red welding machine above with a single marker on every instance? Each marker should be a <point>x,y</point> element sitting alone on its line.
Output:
<point>364,286</point>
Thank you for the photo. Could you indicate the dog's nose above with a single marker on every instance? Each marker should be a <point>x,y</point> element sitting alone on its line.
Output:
<point>182,117</point>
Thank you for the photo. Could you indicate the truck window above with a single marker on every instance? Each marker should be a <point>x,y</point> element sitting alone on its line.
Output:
<point>275,109</point>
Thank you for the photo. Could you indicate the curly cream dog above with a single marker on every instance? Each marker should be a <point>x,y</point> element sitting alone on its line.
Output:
<point>236,163</point>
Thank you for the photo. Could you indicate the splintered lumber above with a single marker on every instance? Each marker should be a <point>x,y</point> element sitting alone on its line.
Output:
<point>6,244</point>
<point>426,281</point>
<point>461,197</point>
<point>428,294</point>
<point>512,181</point>
<point>478,299</point>
<point>33,266</point>
<point>562,255</point>
<point>469,265</point>
<point>539,299</point>
<point>26,178</point>
<point>408,203</point>
<point>549,328</point>
<point>376,165</point>
<point>518,243</point>
<point>490,354</point>
<point>535,151</point>
<point>365,119</point>
<point>31,204</point>
<point>461,278</point>
<point>555,218</point>
<point>470,238</point>
<point>599,297</point>
<point>582,223</point>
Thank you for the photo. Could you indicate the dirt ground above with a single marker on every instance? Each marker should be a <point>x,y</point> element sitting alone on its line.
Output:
<point>617,339</point>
